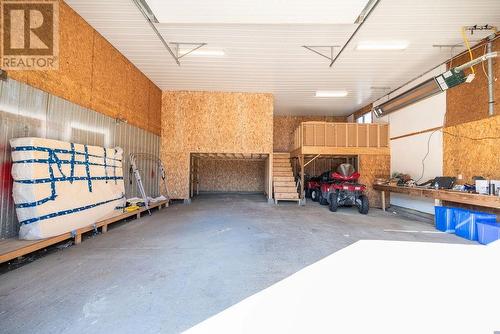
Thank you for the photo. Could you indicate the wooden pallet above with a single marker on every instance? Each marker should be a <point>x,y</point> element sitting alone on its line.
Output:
<point>13,248</point>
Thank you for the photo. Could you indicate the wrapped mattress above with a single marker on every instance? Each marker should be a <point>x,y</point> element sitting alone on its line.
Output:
<point>60,187</point>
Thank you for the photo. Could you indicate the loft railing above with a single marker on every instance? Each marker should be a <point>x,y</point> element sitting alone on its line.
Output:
<point>348,135</point>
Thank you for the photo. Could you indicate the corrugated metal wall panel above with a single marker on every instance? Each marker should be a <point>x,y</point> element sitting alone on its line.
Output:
<point>29,112</point>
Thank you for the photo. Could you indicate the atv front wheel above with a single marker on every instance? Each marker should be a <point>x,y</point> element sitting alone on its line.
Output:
<point>321,199</point>
<point>364,206</point>
<point>314,195</point>
<point>334,204</point>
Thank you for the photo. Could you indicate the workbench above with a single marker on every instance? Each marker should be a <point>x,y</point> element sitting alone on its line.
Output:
<point>440,195</point>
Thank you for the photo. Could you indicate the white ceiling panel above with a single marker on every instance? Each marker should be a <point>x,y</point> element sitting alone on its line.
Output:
<point>257,11</point>
<point>269,57</point>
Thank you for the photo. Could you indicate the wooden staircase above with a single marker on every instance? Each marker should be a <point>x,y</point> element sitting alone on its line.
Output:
<point>284,187</point>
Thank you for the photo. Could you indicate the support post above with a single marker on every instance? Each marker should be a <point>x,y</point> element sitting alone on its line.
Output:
<point>302,167</point>
<point>383,200</point>
<point>104,229</point>
<point>78,239</point>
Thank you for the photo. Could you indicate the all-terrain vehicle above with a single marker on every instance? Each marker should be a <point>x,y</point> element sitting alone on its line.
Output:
<point>344,190</point>
<point>313,185</point>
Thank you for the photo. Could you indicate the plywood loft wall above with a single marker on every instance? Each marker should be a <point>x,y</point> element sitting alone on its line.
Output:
<point>372,167</point>
<point>231,176</point>
<point>94,75</point>
<point>284,126</point>
<point>211,122</point>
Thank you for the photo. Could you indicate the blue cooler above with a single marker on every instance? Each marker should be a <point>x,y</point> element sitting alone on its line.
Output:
<point>466,222</point>
<point>444,219</point>
<point>488,232</point>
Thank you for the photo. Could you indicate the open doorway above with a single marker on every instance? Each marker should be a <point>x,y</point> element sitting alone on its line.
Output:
<point>229,173</point>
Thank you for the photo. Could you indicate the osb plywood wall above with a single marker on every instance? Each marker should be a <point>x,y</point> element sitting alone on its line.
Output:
<point>93,74</point>
<point>211,122</point>
<point>284,126</point>
<point>471,144</point>
<point>472,149</point>
<point>469,102</point>
<point>231,176</point>
<point>372,167</point>
<point>321,165</point>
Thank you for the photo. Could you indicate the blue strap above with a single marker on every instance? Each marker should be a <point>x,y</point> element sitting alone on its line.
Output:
<point>62,179</point>
<point>67,212</point>
<point>72,162</point>
<point>105,164</point>
<point>87,168</point>
<point>55,150</point>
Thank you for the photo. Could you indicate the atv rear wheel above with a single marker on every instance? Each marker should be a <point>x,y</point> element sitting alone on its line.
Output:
<point>321,199</point>
<point>334,204</point>
<point>314,195</point>
<point>365,206</point>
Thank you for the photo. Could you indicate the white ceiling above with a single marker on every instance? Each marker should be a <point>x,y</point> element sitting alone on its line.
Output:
<point>269,57</point>
<point>257,11</point>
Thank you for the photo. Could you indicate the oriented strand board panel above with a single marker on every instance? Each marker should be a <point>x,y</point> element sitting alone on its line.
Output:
<point>284,126</point>
<point>372,167</point>
<point>469,102</point>
<point>154,112</point>
<point>232,176</point>
<point>321,165</point>
<point>464,155</point>
<point>93,74</point>
<point>201,122</point>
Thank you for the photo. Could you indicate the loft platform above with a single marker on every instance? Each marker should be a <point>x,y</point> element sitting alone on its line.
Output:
<point>340,139</point>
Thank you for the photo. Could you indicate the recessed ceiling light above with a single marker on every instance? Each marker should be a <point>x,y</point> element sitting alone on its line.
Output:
<point>382,45</point>
<point>331,93</point>
<point>202,53</point>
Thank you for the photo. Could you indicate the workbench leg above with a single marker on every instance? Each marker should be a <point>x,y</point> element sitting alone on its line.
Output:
<point>78,239</point>
<point>383,200</point>
<point>138,215</point>
<point>438,202</point>
<point>104,229</point>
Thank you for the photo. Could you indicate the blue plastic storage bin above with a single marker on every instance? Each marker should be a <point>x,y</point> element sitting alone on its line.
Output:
<point>444,219</point>
<point>466,222</point>
<point>488,232</point>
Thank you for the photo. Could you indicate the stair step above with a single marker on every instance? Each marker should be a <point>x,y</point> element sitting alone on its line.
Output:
<point>283,179</point>
<point>275,159</point>
<point>284,184</point>
<point>291,189</point>
<point>282,169</point>
<point>281,154</point>
<point>286,196</point>
<point>286,162</point>
<point>283,174</point>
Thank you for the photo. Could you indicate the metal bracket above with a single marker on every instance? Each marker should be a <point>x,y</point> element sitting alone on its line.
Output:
<point>314,47</point>
<point>194,47</point>
<point>151,23</point>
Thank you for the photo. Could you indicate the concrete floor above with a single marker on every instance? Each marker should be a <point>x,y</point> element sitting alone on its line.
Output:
<point>170,271</point>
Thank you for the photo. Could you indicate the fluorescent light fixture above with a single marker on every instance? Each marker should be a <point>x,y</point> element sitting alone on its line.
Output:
<point>202,53</point>
<point>382,45</point>
<point>331,93</point>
